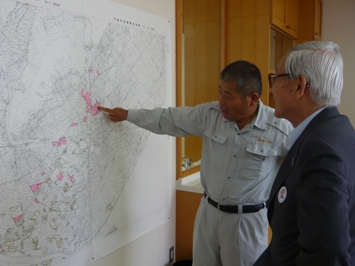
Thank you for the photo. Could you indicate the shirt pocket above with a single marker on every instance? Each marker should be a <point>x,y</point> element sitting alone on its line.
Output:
<point>258,153</point>
<point>215,146</point>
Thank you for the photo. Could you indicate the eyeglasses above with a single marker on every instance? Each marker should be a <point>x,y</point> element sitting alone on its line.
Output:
<point>273,76</point>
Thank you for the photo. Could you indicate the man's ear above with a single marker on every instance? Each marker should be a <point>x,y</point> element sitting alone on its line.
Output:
<point>254,99</point>
<point>302,85</point>
<point>302,82</point>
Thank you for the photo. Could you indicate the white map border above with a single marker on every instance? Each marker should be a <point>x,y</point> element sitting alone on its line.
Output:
<point>145,191</point>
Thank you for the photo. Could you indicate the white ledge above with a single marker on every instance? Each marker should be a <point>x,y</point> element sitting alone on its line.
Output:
<point>191,183</point>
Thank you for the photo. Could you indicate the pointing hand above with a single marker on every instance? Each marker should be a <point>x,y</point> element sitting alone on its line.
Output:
<point>116,115</point>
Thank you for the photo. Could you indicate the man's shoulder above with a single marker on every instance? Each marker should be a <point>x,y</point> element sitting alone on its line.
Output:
<point>271,120</point>
<point>211,105</point>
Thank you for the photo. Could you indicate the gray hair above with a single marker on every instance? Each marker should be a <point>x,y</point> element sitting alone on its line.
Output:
<point>322,65</point>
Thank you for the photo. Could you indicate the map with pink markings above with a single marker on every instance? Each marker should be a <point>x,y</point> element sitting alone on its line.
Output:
<point>63,164</point>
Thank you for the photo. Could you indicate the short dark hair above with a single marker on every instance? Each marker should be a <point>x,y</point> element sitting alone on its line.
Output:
<point>246,75</point>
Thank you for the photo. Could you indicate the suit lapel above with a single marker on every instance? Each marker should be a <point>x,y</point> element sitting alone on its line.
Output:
<point>285,170</point>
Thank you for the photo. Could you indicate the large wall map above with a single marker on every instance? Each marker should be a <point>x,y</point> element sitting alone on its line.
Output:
<point>63,166</point>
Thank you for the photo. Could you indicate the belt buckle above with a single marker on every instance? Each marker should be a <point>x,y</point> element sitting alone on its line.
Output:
<point>219,206</point>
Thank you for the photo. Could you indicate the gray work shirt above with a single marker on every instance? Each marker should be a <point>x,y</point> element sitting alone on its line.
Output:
<point>237,166</point>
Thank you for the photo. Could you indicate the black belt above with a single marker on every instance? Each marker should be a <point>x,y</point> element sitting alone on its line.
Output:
<point>234,208</point>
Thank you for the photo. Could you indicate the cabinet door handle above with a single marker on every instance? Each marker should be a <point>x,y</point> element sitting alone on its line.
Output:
<point>288,27</point>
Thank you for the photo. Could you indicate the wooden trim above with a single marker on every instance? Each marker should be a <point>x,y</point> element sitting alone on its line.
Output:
<point>223,34</point>
<point>179,32</point>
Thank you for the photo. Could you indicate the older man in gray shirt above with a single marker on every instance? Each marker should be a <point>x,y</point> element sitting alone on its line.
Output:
<point>243,146</point>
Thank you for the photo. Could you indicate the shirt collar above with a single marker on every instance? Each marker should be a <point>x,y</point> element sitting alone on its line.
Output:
<point>260,120</point>
<point>294,134</point>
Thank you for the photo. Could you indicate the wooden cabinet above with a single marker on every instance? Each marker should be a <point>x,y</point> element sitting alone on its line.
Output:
<point>310,20</point>
<point>279,44</point>
<point>284,16</point>
<point>318,7</point>
<point>247,34</point>
<point>186,207</point>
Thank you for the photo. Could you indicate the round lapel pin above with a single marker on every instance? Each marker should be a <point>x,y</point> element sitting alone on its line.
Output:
<point>282,194</point>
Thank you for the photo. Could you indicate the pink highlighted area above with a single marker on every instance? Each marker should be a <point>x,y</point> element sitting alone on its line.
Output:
<point>36,187</point>
<point>60,176</point>
<point>17,218</point>
<point>60,142</point>
<point>93,109</point>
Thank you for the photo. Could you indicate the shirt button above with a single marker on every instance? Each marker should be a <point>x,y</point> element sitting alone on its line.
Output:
<point>235,156</point>
<point>229,177</point>
<point>224,198</point>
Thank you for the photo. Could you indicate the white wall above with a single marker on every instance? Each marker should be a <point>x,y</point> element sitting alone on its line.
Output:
<point>152,249</point>
<point>338,26</point>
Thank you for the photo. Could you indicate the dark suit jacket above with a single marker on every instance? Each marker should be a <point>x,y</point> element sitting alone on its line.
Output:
<point>312,201</point>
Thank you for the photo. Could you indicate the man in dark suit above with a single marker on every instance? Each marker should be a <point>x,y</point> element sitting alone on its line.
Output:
<point>311,208</point>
